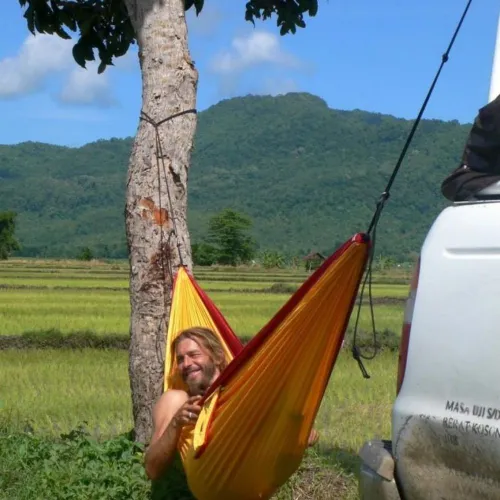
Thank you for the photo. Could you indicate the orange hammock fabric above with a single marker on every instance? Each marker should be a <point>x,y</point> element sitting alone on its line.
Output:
<point>256,417</point>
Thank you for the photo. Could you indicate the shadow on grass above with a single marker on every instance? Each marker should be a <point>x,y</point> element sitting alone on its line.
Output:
<point>325,473</point>
<point>345,460</point>
<point>173,486</point>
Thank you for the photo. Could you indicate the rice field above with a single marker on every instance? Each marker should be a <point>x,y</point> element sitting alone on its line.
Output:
<point>72,298</point>
<point>52,391</point>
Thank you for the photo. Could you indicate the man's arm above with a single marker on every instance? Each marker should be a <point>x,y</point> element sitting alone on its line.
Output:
<point>169,416</point>
<point>166,433</point>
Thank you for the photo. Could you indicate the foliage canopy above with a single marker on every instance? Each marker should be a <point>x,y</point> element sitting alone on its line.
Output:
<point>227,232</point>
<point>104,25</point>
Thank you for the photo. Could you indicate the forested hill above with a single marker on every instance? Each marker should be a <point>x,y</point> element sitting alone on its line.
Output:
<point>309,176</point>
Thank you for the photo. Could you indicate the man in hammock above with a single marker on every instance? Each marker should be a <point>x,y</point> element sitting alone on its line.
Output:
<point>200,359</point>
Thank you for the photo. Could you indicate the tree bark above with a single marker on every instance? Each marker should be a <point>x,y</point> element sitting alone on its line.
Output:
<point>169,84</point>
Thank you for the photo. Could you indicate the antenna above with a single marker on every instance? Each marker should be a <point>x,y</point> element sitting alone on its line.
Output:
<point>495,72</point>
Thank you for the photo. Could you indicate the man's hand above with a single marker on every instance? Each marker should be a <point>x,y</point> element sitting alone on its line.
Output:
<point>188,413</point>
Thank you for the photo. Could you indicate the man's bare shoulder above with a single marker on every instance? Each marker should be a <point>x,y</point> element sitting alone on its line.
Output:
<point>170,401</point>
<point>165,408</point>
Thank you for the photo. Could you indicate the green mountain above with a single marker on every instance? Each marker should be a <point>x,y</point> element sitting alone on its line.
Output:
<point>308,175</point>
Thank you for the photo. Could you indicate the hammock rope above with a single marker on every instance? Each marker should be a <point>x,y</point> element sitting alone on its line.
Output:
<point>356,351</point>
<point>160,157</point>
<point>168,266</point>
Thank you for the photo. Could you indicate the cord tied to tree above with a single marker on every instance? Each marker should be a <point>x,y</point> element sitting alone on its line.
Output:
<point>160,158</point>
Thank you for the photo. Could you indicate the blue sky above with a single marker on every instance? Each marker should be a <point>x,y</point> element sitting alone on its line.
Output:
<point>377,56</point>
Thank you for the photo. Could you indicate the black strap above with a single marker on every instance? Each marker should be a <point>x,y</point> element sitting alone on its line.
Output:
<point>356,352</point>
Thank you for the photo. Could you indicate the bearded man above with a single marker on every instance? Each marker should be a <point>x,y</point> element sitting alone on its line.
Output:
<point>200,360</point>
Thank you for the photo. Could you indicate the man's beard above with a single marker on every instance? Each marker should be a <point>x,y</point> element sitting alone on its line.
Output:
<point>198,387</point>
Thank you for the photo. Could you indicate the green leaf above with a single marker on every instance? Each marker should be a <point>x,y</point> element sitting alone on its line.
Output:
<point>38,25</point>
<point>198,4</point>
<point>28,15</point>
<point>60,32</point>
<point>313,9</point>
<point>86,26</point>
<point>102,23</point>
<point>67,19</point>
<point>79,53</point>
<point>249,17</point>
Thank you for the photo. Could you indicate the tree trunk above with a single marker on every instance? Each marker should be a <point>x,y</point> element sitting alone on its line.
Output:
<point>169,82</point>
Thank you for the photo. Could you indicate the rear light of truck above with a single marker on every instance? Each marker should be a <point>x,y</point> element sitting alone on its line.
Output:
<point>405,333</point>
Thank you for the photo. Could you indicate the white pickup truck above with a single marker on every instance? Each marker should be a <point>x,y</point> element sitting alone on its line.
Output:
<point>445,442</point>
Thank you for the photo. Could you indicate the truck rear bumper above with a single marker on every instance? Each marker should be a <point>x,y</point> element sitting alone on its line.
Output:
<point>376,477</point>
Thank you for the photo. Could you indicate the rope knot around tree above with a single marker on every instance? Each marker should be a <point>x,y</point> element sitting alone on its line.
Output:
<point>159,156</point>
<point>164,245</point>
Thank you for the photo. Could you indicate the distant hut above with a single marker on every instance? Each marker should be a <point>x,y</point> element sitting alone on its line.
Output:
<point>313,260</point>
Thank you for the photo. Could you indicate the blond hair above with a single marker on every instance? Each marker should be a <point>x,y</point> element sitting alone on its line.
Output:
<point>207,339</point>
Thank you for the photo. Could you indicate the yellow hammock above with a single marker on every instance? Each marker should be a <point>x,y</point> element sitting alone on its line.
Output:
<point>256,417</point>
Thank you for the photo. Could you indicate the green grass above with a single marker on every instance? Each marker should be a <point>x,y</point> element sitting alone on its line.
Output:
<point>55,282</point>
<point>234,285</point>
<point>53,391</point>
<point>73,275</point>
<point>76,297</point>
<point>68,311</point>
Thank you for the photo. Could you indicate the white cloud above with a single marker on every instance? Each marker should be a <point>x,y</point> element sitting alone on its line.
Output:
<point>44,56</point>
<point>254,49</point>
<point>240,68</point>
<point>86,86</point>
<point>38,57</point>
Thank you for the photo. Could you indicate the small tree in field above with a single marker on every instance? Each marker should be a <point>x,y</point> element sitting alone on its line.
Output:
<point>85,254</point>
<point>8,242</point>
<point>227,232</point>
<point>156,199</point>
